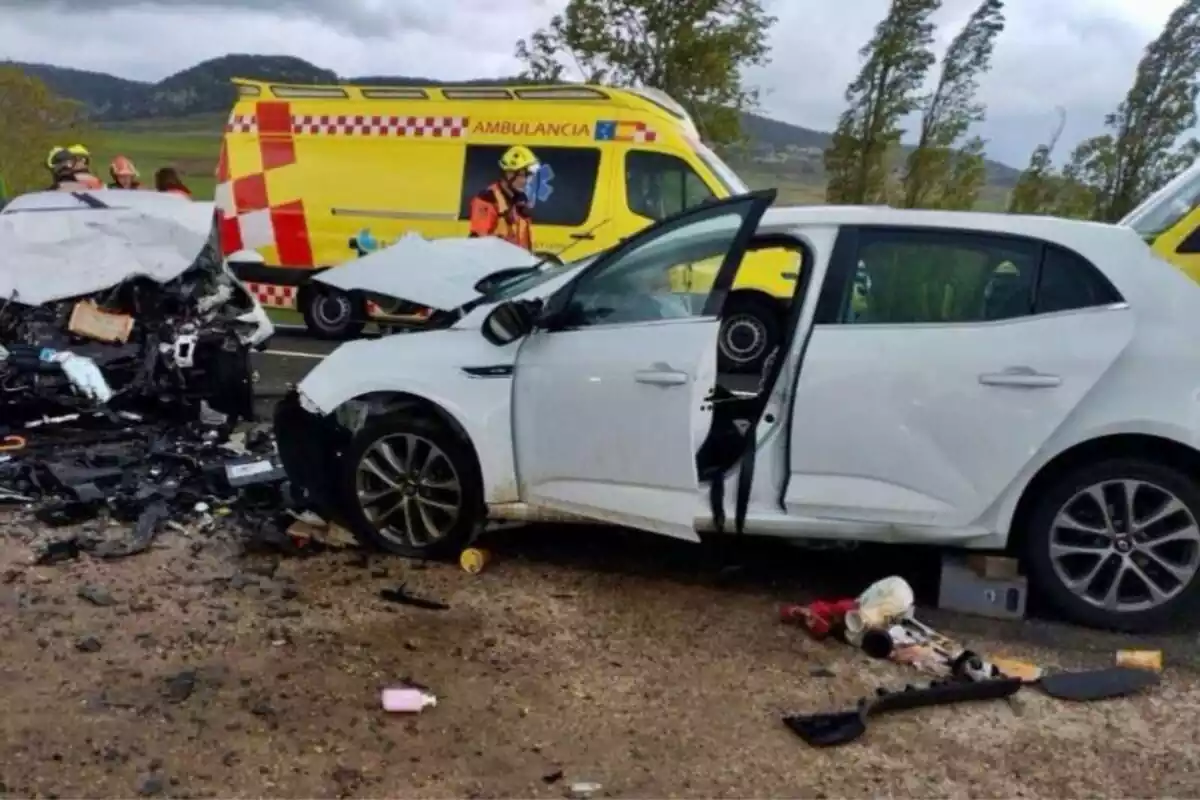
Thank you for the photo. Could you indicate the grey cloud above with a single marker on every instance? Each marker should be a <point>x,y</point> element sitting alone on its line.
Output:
<point>365,18</point>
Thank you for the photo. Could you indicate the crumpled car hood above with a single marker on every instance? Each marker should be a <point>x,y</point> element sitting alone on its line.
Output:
<point>435,273</point>
<point>57,255</point>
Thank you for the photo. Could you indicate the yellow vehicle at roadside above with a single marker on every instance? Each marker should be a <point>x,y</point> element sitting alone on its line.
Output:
<point>1169,221</point>
<point>312,176</point>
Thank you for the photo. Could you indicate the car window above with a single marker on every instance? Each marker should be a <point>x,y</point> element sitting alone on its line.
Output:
<point>668,274</point>
<point>1069,281</point>
<point>560,194</point>
<point>939,277</point>
<point>658,185</point>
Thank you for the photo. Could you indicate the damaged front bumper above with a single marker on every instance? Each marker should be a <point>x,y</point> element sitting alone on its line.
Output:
<point>311,447</point>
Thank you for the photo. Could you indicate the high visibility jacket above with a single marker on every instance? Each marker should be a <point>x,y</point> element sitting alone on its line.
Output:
<point>499,211</point>
<point>80,181</point>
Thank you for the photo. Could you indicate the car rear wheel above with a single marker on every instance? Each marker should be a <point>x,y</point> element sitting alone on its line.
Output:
<point>750,329</point>
<point>330,314</point>
<point>1117,545</point>
<point>413,487</point>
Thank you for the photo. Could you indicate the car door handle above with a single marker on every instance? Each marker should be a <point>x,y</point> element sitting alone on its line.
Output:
<point>661,375</point>
<point>789,276</point>
<point>587,237</point>
<point>1023,377</point>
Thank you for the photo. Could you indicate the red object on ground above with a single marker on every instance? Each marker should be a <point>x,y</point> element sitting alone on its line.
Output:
<point>819,618</point>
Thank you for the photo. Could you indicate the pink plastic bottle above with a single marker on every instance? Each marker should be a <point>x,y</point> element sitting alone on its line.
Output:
<point>407,700</point>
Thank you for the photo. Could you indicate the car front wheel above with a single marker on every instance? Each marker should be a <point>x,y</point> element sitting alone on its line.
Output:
<point>413,487</point>
<point>1116,545</point>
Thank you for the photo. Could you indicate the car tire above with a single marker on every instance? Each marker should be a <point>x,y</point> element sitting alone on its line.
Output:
<point>429,528</point>
<point>331,314</point>
<point>1052,567</point>
<point>750,330</point>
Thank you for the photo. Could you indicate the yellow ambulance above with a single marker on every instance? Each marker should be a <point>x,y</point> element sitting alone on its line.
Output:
<point>312,176</point>
<point>1169,221</point>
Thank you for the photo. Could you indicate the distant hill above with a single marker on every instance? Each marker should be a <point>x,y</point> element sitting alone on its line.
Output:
<point>772,146</point>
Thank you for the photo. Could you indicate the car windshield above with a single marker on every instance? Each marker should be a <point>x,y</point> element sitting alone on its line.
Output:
<point>522,283</point>
<point>1159,212</point>
<point>728,178</point>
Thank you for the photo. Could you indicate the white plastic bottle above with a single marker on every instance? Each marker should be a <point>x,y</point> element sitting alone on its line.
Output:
<point>407,700</point>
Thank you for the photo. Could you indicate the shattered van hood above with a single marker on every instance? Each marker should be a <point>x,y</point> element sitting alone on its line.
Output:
<point>435,273</point>
<point>52,255</point>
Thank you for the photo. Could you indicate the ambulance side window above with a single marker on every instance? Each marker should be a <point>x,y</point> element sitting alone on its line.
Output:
<point>562,192</point>
<point>658,185</point>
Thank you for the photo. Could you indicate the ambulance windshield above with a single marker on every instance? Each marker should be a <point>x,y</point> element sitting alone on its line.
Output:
<point>728,178</point>
<point>1161,210</point>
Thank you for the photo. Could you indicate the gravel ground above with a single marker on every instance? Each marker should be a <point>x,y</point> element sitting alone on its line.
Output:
<point>578,655</point>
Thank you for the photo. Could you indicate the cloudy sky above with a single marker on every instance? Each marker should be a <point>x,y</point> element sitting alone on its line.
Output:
<point>1078,54</point>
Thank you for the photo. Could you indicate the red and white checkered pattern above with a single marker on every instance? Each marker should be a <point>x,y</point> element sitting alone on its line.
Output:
<point>242,123</point>
<point>362,125</point>
<point>273,296</point>
<point>642,133</point>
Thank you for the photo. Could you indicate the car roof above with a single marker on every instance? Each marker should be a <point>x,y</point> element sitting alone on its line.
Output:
<point>1050,228</point>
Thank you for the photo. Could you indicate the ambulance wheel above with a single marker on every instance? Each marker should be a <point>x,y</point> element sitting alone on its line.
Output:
<point>330,314</point>
<point>750,329</point>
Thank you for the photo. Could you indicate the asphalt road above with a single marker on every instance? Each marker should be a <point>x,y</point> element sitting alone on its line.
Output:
<point>292,353</point>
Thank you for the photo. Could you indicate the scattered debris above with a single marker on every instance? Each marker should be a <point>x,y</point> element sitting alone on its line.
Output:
<point>179,687</point>
<point>1141,659</point>
<point>553,777</point>
<point>125,380</point>
<point>88,644</point>
<point>843,727</point>
<point>986,586</point>
<point>407,700</point>
<point>96,595</point>
<point>583,790</point>
<point>151,785</point>
<point>473,560</point>
<point>401,595</point>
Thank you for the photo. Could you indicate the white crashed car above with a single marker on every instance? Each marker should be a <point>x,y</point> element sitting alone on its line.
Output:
<point>127,294</point>
<point>979,381</point>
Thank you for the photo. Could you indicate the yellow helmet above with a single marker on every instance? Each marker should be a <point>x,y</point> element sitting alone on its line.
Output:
<point>518,159</point>
<point>57,157</point>
<point>1006,268</point>
<point>79,151</point>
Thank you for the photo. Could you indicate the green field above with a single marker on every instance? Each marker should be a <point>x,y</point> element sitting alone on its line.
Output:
<point>191,145</point>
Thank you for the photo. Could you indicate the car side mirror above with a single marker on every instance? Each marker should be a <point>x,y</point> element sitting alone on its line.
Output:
<point>510,321</point>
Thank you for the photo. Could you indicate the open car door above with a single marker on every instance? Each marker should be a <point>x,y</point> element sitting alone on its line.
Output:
<point>612,397</point>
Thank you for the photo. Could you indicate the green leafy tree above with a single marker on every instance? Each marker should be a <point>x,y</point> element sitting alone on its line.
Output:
<point>1142,151</point>
<point>886,90</point>
<point>694,51</point>
<point>35,120</point>
<point>943,171</point>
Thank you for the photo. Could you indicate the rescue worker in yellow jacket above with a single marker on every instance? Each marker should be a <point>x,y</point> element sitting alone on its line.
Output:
<point>502,209</point>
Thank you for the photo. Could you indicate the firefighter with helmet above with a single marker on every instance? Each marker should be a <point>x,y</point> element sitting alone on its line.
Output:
<point>69,169</point>
<point>502,209</point>
<point>124,174</point>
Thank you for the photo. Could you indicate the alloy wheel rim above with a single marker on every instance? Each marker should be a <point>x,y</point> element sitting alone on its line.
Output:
<point>338,305</point>
<point>1125,545</point>
<point>408,489</point>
